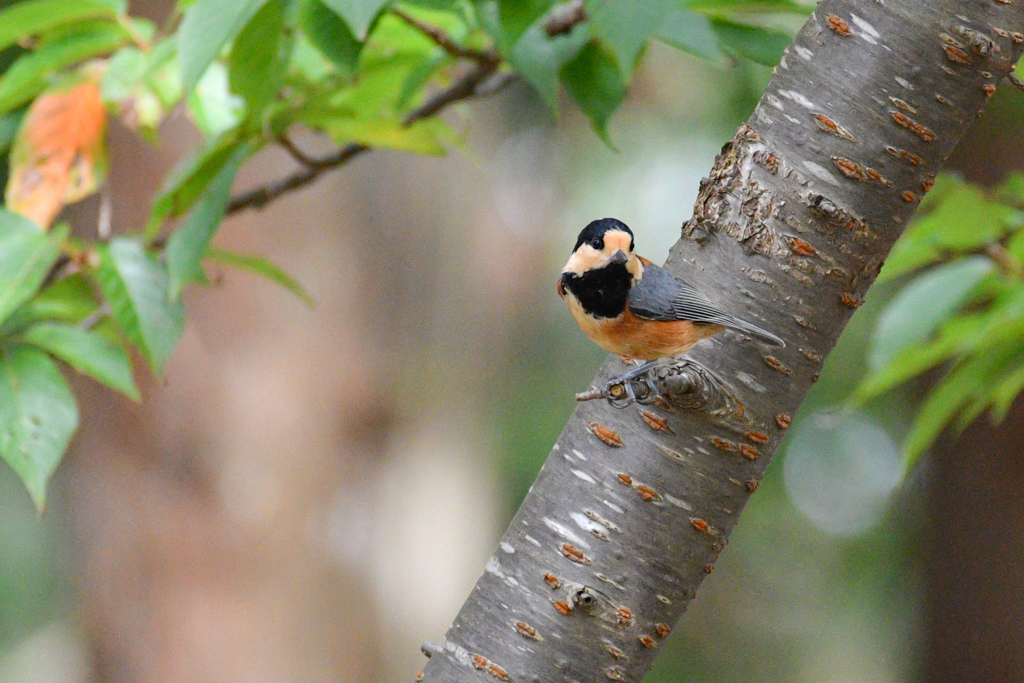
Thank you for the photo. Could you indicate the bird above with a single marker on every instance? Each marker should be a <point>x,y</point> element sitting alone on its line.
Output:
<point>634,309</point>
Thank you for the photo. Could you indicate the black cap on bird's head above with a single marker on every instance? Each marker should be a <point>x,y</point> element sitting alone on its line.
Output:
<point>595,231</point>
<point>605,243</point>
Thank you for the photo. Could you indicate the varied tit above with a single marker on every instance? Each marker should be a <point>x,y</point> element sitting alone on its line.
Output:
<point>633,308</point>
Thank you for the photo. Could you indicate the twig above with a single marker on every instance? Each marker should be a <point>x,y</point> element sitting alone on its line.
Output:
<point>564,17</point>
<point>101,312</point>
<point>495,83</point>
<point>103,222</point>
<point>445,41</point>
<point>476,82</point>
<point>461,89</point>
<point>258,197</point>
<point>63,262</point>
<point>297,153</point>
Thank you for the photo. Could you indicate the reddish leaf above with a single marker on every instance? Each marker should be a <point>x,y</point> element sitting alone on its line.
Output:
<point>58,157</point>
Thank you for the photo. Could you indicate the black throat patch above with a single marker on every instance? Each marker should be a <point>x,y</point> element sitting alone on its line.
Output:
<point>603,291</point>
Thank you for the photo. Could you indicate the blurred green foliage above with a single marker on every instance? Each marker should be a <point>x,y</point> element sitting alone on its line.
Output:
<point>960,308</point>
<point>248,73</point>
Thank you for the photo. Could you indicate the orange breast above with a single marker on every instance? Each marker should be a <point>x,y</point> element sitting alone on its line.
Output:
<point>633,337</point>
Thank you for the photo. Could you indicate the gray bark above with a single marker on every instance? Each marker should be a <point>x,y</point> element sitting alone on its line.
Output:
<point>789,231</point>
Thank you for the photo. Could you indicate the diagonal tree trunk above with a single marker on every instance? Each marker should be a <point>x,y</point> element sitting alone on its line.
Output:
<point>633,506</point>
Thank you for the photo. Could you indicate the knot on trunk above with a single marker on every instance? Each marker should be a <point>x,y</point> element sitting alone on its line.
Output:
<point>690,386</point>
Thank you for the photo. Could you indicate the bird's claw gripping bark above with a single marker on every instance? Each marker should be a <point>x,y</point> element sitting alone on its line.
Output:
<point>622,394</point>
<point>635,386</point>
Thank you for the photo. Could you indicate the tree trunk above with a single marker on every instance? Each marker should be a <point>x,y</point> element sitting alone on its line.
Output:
<point>976,539</point>
<point>633,506</point>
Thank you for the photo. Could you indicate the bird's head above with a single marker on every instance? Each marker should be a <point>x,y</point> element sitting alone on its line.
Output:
<point>604,243</point>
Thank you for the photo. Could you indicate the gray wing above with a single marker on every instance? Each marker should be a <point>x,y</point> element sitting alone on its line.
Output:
<point>661,296</point>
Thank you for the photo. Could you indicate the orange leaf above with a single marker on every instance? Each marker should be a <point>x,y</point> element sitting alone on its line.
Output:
<point>58,157</point>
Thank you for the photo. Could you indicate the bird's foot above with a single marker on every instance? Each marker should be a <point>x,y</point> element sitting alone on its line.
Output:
<point>634,386</point>
<point>622,394</point>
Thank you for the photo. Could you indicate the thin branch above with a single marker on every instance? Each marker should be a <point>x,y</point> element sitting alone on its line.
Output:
<point>463,88</point>
<point>495,83</point>
<point>103,221</point>
<point>483,78</point>
<point>297,154</point>
<point>101,312</point>
<point>258,197</point>
<point>564,17</point>
<point>445,42</point>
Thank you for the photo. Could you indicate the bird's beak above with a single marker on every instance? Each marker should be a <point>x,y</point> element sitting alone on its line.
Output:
<point>619,257</point>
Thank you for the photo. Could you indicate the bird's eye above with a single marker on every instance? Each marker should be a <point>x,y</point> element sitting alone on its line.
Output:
<point>596,243</point>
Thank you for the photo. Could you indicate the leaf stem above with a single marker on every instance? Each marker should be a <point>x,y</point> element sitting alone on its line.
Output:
<point>483,78</point>
<point>445,42</point>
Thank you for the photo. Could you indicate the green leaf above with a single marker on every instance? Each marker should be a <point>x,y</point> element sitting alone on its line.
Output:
<point>25,19</point>
<point>188,243</point>
<point>968,379</point>
<point>30,74</point>
<point>970,412</point>
<point>163,72</point>
<point>186,183</point>
<point>9,125</point>
<point>750,42</point>
<point>70,299</point>
<point>330,35</point>
<point>258,57</point>
<point>136,287</point>
<point>515,16</point>
<point>124,69</point>
<point>38,415</point>
<point>308,69</point>
<point>725,8</point>
<point>143,85</point>
<point>419,76</point>
<point>624,27</point>
<point>964,219</point>
<point>953,338</point>
<point>539,58</point>
<point>422,137</point>
<point>923,305</point>
<point>358,14</point>
<point>1006,391</point>
<point>88,352</point>
<point>263,267</point>
<point>207,26</point>
<point>1015,246</point>
<point>436,4</point>
<point>386,64</point>
<point>595,84</point>
<point>214,109</point>
<point>1011,190</point>
<point>690,33</point>
<point>26,255</point>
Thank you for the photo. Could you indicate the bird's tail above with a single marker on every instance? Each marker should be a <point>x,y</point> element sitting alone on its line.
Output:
<point>755,331</point>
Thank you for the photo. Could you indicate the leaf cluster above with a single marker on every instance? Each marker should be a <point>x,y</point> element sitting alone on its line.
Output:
<point>960,309</point>
<point>365,74</point>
